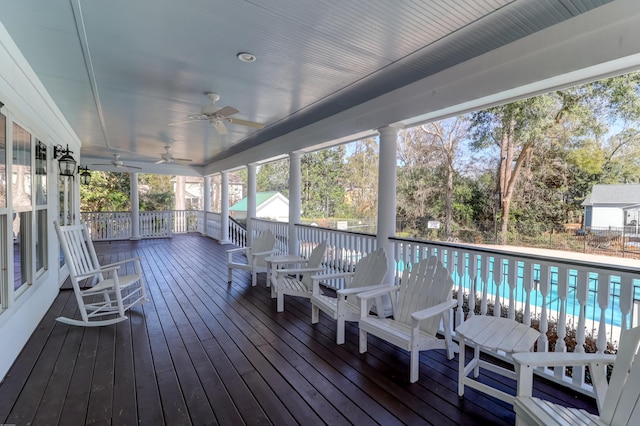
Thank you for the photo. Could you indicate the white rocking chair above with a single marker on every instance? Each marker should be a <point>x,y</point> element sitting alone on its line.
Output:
<point>419,303</point>
<point>298,281</point>
<point>618,399</point>
<point>109,294</point>
<point>368,275</point>
<point>262,246</point>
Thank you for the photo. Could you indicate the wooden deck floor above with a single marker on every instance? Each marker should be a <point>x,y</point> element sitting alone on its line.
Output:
<point>203,352</point>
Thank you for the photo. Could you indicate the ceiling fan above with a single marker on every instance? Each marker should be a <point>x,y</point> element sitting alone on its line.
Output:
<point>167,157</point>
<point>218,116</point>
<point>117,163</point>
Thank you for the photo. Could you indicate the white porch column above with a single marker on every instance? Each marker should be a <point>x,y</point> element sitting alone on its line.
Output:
<point>206,200</point>
<point>224,208</point>
<point>387,196</point>
<point>295,199</point>
<point>251,200</point>
<point>135,206</point>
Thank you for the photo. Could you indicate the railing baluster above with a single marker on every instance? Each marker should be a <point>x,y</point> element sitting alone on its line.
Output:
<point>544,287</point>
<point>604,286</point>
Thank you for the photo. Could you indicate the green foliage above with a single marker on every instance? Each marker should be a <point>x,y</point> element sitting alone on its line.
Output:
<point>106,192</point>
<point>323,179</point>
<point>274,177</point>
<point>156,192</point>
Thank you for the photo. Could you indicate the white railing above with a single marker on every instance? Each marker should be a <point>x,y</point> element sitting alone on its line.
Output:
<point>154,224</point>
<point>108,225</point>
<point>184,221</point>
<point>213,224</point>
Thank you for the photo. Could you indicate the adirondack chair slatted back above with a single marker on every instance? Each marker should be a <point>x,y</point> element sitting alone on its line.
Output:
<point>78,250</point>
<point>370,270</point>
<point>263,243</point>
<point>314,261</point>
<point>426,283</point>
<point>622,401</point>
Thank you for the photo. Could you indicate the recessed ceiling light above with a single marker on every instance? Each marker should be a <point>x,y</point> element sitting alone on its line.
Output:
<point>246,57</point>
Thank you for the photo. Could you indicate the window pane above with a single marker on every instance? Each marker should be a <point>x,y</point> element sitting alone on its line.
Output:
<point>3,161</point>
<point>21,249</point>
<point>21,168</point>
<point>41,240</point>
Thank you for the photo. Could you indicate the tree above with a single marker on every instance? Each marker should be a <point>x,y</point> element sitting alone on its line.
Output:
<point>447,135</point>
<point>524,129</point>
<point>322,183</point>
<point>156,192</point>
<point>362,178</point>
<point>419,185</point>
<point>107,192</point>
<point>274,177</point>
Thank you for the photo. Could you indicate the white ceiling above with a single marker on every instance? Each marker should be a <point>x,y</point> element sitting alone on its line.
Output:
<point>122,70</point>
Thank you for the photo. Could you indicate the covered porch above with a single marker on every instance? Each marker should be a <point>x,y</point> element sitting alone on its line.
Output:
<point>205,352</point>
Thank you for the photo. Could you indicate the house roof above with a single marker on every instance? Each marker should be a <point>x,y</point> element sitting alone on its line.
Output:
<point>261,198</point>
<point>622,194</point>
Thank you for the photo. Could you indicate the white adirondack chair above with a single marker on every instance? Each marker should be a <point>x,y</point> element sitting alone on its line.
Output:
<point>419,303</point>
<point>618,400</point>
<point>297,281</point>
<point>107,291</point>
<point>368,275</point>
<point>262,246</point>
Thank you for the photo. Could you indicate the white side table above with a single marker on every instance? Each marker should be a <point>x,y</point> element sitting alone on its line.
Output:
<point>495,334</point>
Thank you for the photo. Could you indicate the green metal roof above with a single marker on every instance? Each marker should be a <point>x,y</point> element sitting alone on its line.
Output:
<point>261,197</point>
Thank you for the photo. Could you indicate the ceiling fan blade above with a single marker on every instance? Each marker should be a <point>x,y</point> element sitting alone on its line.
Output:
<point>220,127</point>
<point>184,160</point>
<point>180,122</point>
<point>102,164</point>
<point>160,161</point>
<point>131,167</point>
<point>246,123</point>
<point>226,111</point>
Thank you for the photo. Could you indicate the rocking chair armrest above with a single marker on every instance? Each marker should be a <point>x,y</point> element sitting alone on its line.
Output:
<point>555,359</point>
<point>434,310</point>
<point>121,262</point>
<point>96,272</point>
<point>349,291</point>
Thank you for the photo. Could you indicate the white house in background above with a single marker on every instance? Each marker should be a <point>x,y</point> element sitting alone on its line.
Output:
<point>612,206</point>
<point>269,205</point>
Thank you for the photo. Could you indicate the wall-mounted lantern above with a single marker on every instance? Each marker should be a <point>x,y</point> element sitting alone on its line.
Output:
<point>85,176</point>
<point>66,162</point>
<point>41,158</point>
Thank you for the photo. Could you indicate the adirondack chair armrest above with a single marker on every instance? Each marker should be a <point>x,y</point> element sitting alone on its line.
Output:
<point>237,250</point>
<point>231,252</point>
<point>332,276</point>
<point>524,363</point>
<point>122,262</point>
<point>350,291</point>
<point>433,310</point>
<point>366,296</point>
<point>554,359</point>
<point>377,292</point>
<point>294,271</point>
<point>263,253</point>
